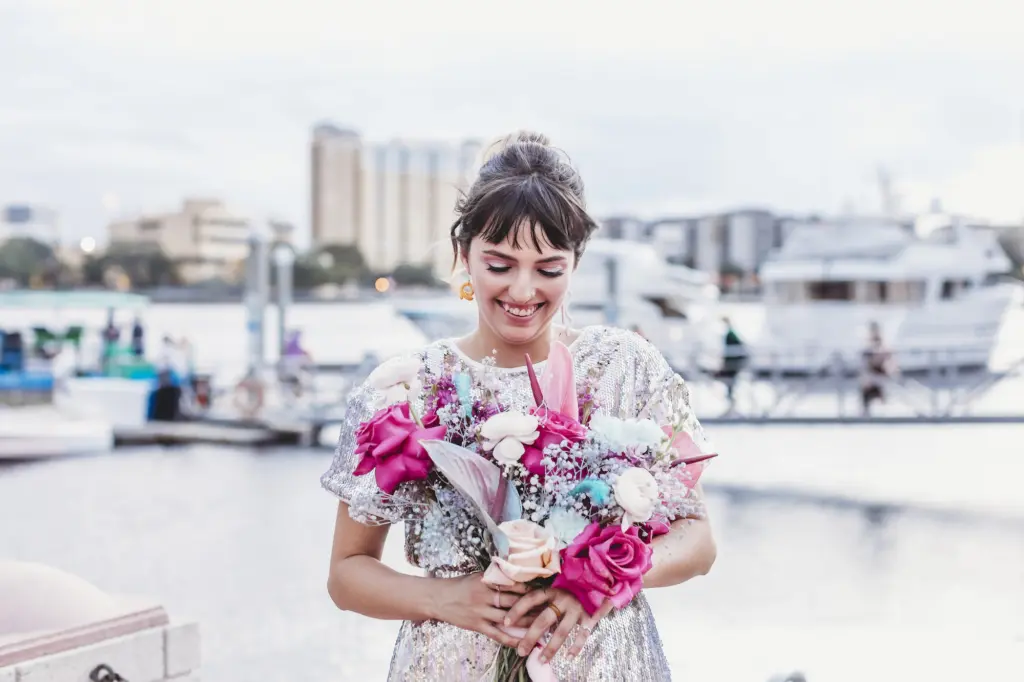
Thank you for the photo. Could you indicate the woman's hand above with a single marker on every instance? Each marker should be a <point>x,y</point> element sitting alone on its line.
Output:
<point>569,614</point>
<point>471,604</point>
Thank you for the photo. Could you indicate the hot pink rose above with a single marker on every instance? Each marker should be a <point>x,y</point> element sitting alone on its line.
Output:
<point>390,445</point>
<point>554,427</point>
<point>604,563</point>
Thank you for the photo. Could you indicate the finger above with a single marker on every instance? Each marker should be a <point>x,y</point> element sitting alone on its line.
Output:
<point>498,636</point>
<point>541,624</point>
<point>586,628</point>
<point>524,605</point>
<point>517,588</point>
<point>565,626</point>
<point>494,615</point>
<point>507,601</point>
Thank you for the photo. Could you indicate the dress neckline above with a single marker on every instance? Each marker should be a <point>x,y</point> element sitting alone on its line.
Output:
<point>451,344</point>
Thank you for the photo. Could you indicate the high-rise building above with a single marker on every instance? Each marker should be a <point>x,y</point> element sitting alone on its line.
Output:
<point>393,200</point>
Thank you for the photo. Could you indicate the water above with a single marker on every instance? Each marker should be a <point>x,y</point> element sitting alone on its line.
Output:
<point>240,541</point>
<point>904,562</point>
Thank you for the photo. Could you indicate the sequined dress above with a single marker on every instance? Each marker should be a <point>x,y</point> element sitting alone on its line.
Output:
<point>629,378</point>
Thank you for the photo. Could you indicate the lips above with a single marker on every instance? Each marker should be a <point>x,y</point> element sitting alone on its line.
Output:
<point>520,312</point>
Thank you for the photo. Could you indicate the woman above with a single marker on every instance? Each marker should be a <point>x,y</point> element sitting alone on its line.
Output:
<point>520,233</point>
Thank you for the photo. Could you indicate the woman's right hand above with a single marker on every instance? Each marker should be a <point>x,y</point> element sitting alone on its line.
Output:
<point>471,604</point>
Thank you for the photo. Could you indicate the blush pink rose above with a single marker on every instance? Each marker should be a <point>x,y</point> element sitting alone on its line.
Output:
<point>604,563</point>
<point>554,427</point>
<point>533,554</point>
<point>390,446</point>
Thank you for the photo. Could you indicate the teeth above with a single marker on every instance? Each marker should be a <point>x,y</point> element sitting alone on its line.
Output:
<point>519,312</point>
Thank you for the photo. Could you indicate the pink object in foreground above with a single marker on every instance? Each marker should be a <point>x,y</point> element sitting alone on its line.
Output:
<point>604,563</point>
<point>692,461</point>
<point>539,672</point>
<point>389,444</point>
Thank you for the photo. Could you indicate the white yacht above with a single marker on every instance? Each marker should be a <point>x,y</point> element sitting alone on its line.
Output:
<point>630,284</point>
<point>936,288</point>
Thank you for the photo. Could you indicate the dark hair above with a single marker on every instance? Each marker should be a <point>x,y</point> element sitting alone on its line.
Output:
<point>524,178</point>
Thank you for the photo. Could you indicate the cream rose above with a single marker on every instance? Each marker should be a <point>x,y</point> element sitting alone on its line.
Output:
<point>533,553</point>
<point>507,433</point>
<point>636,492</point>
<point>394,380</point>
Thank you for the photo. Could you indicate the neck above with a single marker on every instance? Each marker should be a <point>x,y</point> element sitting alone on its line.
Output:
<point>484,342</point>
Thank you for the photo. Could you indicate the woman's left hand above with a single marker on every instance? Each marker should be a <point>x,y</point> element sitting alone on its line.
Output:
<point>567,614</point>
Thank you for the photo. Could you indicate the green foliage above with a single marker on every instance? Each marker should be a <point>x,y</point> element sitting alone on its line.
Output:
<point>24,259</point>
<point>145,266</point>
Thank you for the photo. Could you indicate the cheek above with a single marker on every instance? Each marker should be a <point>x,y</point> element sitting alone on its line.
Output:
<point>555,290</point>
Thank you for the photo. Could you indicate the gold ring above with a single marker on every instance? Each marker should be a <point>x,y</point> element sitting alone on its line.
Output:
<point>558,611</point>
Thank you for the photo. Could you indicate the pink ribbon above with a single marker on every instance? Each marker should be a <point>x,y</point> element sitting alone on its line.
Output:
<point>539,672</point>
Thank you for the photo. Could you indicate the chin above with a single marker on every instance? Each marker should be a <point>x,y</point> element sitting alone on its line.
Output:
<point>517,331</point>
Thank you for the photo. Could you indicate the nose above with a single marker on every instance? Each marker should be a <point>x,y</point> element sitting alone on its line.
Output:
<point>522,289</point>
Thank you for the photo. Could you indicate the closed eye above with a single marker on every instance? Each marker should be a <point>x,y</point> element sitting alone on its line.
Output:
<point>499,268</point>
<point>552,273</point>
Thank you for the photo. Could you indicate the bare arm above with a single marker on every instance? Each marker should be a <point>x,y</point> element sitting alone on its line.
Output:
<point>358,581</point>
<point>685,552</point>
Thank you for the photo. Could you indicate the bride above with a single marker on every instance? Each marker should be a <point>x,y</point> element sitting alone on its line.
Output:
<point>521,230</point>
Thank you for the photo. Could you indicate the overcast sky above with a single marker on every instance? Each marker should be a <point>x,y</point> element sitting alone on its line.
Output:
<point>122,106</point>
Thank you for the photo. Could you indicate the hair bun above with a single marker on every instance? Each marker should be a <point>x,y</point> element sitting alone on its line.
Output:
<point>518,137</point>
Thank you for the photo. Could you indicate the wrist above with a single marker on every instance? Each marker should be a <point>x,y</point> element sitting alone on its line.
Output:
<point>435,597</point>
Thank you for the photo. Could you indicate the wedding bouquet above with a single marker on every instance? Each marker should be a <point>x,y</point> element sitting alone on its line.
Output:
<point>566,496</point>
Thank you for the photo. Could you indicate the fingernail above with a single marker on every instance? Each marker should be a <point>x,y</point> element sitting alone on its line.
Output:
<point>521,652</point>
<point>543,659</point>
<point>508,621</point>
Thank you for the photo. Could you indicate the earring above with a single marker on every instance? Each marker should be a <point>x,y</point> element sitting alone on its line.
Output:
<point>466,291</point>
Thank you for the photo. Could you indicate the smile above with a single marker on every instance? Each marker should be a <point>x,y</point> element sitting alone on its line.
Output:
<point>521,312</point>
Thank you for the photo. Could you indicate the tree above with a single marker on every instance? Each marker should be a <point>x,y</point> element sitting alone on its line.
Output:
<point>26,260</point>
<point>145,266</point>
<point>414,275</point>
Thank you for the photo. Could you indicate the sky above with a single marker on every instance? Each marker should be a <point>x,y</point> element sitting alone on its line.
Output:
<point>117,107</point>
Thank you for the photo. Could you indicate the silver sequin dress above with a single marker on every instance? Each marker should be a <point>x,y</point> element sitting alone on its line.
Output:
<point>628,376</point>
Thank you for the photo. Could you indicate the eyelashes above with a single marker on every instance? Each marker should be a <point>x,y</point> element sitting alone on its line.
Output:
<point>502,269</point>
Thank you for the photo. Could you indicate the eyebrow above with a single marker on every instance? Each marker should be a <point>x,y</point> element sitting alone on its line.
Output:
<point>505,256</point>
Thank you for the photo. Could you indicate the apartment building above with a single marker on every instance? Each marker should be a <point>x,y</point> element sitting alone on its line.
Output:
<point>394,200</point>
<point>204,238</point>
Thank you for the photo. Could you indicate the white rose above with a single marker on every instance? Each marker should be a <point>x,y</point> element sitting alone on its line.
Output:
<point>636,492</point>
<point>395,380</point>
<point>507,433</point>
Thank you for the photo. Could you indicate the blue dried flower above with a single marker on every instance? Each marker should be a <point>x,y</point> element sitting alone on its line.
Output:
<point>594,488</point>
<point>463,384</point>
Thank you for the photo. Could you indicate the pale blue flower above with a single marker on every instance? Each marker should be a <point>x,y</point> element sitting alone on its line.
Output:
<point>595,488</point>
<point>565,525</point>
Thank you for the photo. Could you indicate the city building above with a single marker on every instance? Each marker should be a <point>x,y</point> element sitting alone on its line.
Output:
<point>205,239</point>
<point>394,200</point>
<point>28,220</point>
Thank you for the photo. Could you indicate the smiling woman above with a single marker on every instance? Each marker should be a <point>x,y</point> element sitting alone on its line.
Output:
<point>521,231</point>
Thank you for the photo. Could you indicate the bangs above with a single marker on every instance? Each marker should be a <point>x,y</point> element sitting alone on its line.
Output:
<point>529,213</point>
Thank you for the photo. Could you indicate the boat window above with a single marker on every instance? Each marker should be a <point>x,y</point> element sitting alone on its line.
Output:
<point>951,288</point>
<point>830,291</point>
<point>873,292</point>
<point>906,292</point>
<point>666,307</point>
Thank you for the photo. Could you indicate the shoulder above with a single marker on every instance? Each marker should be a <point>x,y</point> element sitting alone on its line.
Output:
<point>604,345</point>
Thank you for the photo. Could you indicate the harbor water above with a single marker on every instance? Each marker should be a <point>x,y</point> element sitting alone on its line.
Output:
<point>890,581</point>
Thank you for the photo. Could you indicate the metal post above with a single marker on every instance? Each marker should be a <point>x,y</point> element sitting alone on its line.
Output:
<point>284,260</point>
<point>611,311</point>
<point>257,284</point>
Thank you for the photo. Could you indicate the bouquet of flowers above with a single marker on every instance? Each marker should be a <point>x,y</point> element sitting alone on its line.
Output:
<point>565,496</point>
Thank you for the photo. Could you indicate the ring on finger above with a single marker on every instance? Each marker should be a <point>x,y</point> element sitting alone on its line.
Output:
<point>558,611</point>
<point>587,629</point>
<point>497,598</point>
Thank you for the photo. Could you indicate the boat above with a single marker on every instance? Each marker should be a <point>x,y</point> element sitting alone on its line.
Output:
<point>937,287</point>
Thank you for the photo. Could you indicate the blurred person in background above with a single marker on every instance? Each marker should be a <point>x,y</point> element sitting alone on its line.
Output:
<point>734,358</point>
<point>878,366</point>
<point>520,232</point>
